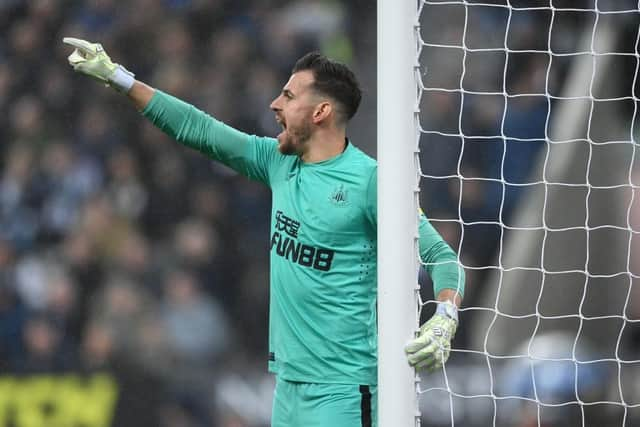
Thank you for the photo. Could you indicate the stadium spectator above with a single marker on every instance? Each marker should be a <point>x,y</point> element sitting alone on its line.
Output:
<point>45,349</point>
<point>197,329</point>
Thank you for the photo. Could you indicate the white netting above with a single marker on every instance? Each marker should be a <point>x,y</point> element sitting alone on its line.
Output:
<point>528,129</point>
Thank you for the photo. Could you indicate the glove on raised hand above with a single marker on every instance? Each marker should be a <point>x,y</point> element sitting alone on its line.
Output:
<point>91,59</point>
<point>430,350</point>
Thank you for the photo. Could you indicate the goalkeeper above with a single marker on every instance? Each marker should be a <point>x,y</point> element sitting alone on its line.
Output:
<point>322,329</point>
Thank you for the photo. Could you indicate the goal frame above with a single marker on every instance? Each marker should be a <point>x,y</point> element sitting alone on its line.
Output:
<point>398,188</point>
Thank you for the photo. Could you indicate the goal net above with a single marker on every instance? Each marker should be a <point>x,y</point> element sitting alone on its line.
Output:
<point>527,132</point>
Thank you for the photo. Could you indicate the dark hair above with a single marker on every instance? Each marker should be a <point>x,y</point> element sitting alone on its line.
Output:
<point>333,79</point>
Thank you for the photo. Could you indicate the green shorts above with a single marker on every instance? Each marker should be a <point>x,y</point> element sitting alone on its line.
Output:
<point>324,405</point>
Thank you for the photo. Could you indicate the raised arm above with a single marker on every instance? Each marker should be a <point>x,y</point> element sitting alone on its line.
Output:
<point>248,155</point>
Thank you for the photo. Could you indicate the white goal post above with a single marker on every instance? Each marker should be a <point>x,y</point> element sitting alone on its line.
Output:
<point>398,181</point>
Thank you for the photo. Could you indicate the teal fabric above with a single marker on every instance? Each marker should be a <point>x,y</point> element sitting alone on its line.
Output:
<point>323,240</point>
<point>322,405</point>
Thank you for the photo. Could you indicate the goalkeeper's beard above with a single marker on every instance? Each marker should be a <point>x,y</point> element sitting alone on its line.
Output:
<point>293,141</point>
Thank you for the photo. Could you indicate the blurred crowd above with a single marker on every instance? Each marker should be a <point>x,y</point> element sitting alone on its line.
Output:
<point>119,248</point>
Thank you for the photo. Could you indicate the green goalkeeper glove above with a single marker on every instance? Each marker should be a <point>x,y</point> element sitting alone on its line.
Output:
<point>430,350</point>
<point>91,59</point>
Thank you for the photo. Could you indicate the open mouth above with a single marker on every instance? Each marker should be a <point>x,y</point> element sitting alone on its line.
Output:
<point>282,123</point>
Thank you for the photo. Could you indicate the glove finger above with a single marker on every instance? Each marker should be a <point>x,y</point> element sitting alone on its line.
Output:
<point>418,343</point>
<point>439,359</point>
<point>427,352</point>
<point>415,360</point>
<point>435,362</point>
<point>428,365</point>
<point>82,45</point>
<point>76,58</point>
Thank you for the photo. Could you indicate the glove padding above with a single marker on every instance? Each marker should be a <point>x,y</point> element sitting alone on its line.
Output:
<point>430,350</point>
<point>91,59</point>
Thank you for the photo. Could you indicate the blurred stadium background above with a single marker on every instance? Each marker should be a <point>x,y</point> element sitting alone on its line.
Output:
<point>134,272</point>
<point>123,252</point>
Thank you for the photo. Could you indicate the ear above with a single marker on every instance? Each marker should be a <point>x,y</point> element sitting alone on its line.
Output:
<point>321,112</point>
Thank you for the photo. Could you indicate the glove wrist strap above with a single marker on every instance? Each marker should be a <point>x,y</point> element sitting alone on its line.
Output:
<point>122,79</point>
<point>447,309</point>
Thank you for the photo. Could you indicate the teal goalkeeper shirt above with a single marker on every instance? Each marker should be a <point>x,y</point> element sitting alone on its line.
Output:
<point>322,326</point>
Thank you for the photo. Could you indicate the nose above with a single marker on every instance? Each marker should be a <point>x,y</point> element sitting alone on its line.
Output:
<point>275,104</point>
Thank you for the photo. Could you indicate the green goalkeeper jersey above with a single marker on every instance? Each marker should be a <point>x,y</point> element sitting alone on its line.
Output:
<point>323,237</point>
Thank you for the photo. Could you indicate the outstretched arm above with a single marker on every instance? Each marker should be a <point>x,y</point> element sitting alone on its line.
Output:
<point>247,155</point>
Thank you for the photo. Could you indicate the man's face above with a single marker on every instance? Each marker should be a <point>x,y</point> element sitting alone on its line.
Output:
<point>294,109</point>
